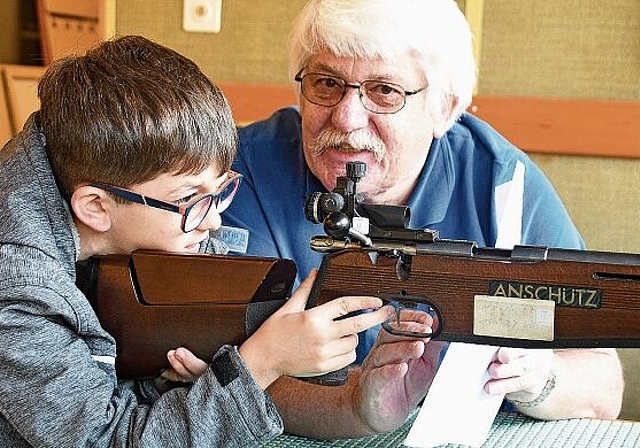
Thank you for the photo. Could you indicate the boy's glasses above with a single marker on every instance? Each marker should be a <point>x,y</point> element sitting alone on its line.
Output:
<point>194,211</point>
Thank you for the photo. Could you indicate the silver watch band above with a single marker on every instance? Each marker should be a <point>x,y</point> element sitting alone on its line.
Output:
<point>544,393</point>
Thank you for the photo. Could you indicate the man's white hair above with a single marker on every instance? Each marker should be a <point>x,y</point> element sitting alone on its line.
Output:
<point>435,31</point>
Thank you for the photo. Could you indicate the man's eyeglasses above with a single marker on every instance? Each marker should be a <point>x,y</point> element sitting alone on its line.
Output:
<point>376,96</point>
<point>194,211</point>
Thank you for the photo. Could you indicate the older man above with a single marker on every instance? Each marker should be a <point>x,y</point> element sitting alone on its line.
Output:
<point>388,83</point>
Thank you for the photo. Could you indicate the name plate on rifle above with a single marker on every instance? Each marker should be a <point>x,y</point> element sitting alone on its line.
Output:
<point>508,317</point>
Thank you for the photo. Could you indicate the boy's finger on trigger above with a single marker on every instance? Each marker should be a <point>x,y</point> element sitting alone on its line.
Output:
<point>345,305</point>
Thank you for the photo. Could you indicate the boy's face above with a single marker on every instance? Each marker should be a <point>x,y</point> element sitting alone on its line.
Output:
<point>137,226</point>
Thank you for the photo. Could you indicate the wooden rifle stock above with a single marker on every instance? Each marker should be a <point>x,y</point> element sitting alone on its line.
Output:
<point>152,302</point>
<point>531,297</point>
<point>596,294</point>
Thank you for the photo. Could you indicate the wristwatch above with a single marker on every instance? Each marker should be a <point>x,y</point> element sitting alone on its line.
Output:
<point>544,393</point>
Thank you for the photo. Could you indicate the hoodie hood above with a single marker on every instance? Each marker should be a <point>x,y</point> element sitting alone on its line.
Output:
<point>32,211</point>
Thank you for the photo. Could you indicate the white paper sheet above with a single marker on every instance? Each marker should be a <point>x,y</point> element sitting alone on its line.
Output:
<point>457,409</point>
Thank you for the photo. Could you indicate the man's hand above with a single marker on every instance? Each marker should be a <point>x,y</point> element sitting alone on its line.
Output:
<point>396,374</point>
<point>521,374</point>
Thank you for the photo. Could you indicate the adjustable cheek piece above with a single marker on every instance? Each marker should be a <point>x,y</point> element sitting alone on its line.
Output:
<point>404,301</point>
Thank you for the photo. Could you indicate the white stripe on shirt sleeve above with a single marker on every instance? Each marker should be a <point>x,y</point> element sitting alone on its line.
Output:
<point>509,198</point>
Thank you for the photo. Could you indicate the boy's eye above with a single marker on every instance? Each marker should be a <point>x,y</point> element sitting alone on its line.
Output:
<point>185,199</point>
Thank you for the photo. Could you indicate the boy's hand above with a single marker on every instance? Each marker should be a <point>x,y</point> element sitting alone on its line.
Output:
<point>185,366</point>
<point>299,342</point>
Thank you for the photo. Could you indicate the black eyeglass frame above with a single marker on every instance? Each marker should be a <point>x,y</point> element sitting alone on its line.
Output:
<point>299,78</point>
<point>183,209</point>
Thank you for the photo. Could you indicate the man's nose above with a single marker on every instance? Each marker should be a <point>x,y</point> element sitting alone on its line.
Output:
<point>349,114</point>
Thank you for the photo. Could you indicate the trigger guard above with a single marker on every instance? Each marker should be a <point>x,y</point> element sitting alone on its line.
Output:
<point>413,299</point>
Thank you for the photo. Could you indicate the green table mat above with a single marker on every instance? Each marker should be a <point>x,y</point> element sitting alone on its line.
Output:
<point>509,430</point>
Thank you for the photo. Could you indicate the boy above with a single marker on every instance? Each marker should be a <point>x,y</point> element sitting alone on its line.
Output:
<point>130,122</point>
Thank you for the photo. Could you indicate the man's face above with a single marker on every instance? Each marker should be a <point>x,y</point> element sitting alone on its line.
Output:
<point>136,226</point>
<point>406,135</point>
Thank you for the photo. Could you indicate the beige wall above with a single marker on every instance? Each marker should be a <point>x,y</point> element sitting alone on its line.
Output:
<point>251,45</point>
<point>601,195</point>
<point>572,48</point>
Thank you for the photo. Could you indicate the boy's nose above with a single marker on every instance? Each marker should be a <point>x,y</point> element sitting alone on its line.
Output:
<point>212,221</point>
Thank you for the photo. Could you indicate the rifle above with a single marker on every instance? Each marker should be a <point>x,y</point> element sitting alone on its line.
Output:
<point>152,302</point>
<point>530,297</point>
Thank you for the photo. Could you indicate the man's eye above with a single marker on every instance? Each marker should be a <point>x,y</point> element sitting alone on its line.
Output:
<point>330,82</point>
<point>384,89</point>
<point>327,83</point>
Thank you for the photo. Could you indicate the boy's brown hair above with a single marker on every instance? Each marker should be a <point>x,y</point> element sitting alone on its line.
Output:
<point>129,110</point>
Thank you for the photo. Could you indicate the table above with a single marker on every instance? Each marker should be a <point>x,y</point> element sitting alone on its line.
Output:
<point>509,430</point>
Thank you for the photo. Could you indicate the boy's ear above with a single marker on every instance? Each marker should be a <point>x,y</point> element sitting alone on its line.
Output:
<point>90,206</point>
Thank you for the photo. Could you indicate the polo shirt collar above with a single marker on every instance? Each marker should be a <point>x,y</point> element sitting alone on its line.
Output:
<point>430,199</point>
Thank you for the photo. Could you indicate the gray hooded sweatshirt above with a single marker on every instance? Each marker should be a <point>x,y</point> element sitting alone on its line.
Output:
<point>58,385</point>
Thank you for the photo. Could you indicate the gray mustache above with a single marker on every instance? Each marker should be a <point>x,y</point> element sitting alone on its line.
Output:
<point>358,140</point>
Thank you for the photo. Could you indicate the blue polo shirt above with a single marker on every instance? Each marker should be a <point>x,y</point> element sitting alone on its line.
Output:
<point>460,193</point>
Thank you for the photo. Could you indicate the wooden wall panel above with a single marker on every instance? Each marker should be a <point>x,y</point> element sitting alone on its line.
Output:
<point>21,83</point>
<point>564,126</point>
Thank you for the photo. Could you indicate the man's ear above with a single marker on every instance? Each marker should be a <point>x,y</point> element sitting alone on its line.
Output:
<point>445,115</point>
<point>90,205</point>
